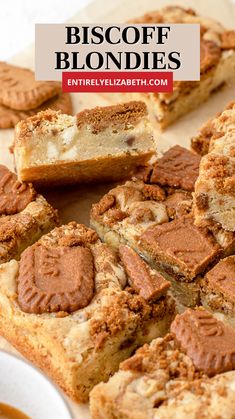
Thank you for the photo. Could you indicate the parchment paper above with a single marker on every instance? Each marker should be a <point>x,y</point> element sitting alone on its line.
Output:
<point>74,203</point>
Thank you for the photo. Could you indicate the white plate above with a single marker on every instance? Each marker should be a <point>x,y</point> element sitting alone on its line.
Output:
<point>24,387</point>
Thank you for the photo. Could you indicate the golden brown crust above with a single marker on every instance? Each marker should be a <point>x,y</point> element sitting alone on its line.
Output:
<point>214,198</point>
<point>201,142</point>
<point>211,33</point>
<point>162,354</point>
<point>154,192</point>
<point>217,67</point>
<point>228,40</point>
<point>36,121</point>
<point>210,55</point>
<point>20,230</point>
<point>41,360</point>
<point>62,157</point>
<point>101,118</point>
<point>89,171</point>
<point>161,381</point>
<point>10,117</point>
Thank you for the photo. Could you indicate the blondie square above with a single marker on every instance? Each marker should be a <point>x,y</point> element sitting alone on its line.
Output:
<point>76,308</point>
<point>214,199</point>
<point>24,215</point>
<point>218,289</point>
<point>187,374</point>
<point>96,145</point>
<point>156,219</point>
<point>200,143</point>
<point>217,65</point>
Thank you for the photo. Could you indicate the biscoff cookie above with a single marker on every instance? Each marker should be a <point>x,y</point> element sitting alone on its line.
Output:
<point>187,374</point>
<point>19,90</point>
<point>83,307</point>
<point>10,117</point>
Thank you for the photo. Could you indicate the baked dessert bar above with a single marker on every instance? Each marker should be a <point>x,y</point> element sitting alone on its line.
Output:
<point>200,143</point>
<point>77,309</point>
<point>218,289</point>
<point>156,220</point>
<point>24,215</point>
<point>101,144</point>
<point>188,374</point>
<point>226,239</point>
<point>214,199</point>
<point>217,65</point>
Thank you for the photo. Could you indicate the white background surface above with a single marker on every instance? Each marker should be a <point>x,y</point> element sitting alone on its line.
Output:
<point>17,19</point>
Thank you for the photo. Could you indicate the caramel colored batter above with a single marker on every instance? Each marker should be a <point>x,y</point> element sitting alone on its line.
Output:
<point>9,412</point>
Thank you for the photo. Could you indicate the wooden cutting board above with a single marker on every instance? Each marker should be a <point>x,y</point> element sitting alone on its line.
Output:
<point>74,203</point>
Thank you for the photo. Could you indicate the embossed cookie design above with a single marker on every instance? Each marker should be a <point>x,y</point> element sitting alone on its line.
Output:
<point>69,307</point>
<point>55,279</point>
<point>19,90</point>
<point>207,341</point>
